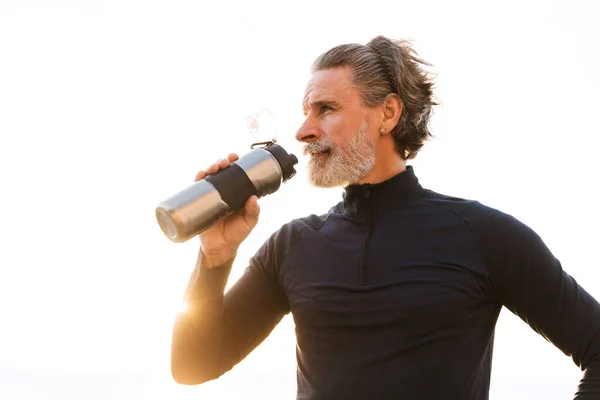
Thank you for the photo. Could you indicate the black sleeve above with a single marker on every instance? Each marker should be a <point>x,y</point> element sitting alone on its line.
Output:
<point>217,331</point>
<point>531,283</point>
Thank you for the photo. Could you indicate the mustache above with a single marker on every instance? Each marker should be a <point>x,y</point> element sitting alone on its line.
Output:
<point>317,147</point>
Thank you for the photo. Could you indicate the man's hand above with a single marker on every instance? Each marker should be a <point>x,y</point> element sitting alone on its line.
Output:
<point>220,242</point>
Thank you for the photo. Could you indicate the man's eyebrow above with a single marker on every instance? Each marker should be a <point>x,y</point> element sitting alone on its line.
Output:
<point>319,103</point>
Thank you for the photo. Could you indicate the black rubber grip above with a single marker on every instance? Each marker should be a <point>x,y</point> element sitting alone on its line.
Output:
<point>234,186</point>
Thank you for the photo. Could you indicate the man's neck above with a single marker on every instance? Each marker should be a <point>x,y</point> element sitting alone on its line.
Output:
<point>384,169</point>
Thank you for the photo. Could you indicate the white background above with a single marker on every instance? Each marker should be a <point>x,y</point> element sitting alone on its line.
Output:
<point>107,107</point>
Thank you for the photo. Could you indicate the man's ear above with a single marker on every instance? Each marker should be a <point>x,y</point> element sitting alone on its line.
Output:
<point>392,109</point>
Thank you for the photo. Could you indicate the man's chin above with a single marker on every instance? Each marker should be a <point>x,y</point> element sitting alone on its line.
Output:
<point>324,185</point>
<point>318,179</point>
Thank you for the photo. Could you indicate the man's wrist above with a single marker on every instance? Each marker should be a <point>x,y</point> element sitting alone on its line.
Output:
<point>222,259</point>
<point>207,285</point>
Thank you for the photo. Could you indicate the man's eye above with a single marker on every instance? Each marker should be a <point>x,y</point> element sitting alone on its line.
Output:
<point>324,109</point>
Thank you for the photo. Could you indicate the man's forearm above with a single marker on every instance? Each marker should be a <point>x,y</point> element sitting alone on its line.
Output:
<point>218,331</point>
<point>200,334</point>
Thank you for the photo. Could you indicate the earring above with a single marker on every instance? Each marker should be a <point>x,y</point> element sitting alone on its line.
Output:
<point>382,130</point>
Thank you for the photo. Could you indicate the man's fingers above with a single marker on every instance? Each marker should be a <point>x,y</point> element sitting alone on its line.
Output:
<point>224,163</point>
<point>215,167</point>
<point>251,211</point>
<point>212,169</point>
<point>200,175</point>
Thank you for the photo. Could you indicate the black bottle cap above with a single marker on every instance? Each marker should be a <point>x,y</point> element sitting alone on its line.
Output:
<point>286,161</point>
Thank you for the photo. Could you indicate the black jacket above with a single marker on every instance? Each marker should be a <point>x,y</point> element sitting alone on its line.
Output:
<point>395,294</point>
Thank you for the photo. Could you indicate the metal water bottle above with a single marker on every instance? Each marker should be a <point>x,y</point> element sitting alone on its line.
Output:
<point>259,172</point>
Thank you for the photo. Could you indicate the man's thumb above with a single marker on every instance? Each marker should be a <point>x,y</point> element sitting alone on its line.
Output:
<point>251,211</point>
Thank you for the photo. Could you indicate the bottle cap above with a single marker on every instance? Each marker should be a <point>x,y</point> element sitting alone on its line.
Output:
<point>286,161</point>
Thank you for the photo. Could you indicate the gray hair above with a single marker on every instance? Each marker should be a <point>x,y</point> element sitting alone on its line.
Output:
<point>386,66</point>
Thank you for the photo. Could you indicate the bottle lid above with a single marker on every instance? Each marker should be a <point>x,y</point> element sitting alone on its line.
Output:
<point>286,161</point>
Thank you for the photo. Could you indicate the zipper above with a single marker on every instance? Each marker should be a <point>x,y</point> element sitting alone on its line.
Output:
<point>364,270</point>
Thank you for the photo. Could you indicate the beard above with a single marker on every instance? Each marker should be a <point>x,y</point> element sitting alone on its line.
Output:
<point>340,165</point>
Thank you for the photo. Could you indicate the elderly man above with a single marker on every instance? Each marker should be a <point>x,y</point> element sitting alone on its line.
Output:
<point>395,292</point>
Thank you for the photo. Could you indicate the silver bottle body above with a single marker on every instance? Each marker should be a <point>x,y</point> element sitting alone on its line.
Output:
<point>197,207</point>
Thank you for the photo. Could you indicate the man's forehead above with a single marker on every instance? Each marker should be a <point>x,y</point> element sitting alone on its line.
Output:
<point>334,82</point>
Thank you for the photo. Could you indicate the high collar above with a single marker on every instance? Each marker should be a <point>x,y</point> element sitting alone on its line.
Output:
<point>400,189</point>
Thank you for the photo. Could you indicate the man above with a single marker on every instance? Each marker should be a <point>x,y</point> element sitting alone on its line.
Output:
<point>395,292</point>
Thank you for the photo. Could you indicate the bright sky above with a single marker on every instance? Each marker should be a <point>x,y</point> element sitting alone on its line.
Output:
<point>107,107</point>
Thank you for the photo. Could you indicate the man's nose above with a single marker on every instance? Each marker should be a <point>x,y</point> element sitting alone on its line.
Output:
<point>308,131</point>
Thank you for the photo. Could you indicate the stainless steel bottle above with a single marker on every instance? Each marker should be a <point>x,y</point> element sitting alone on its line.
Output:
<point>259,172</point>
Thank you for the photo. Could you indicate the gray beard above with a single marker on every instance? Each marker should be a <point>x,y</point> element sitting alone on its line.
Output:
<point>343,165</point>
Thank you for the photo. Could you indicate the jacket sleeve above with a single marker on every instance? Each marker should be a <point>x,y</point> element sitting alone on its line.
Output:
<point>217,331</point>
<point>531,283</point>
